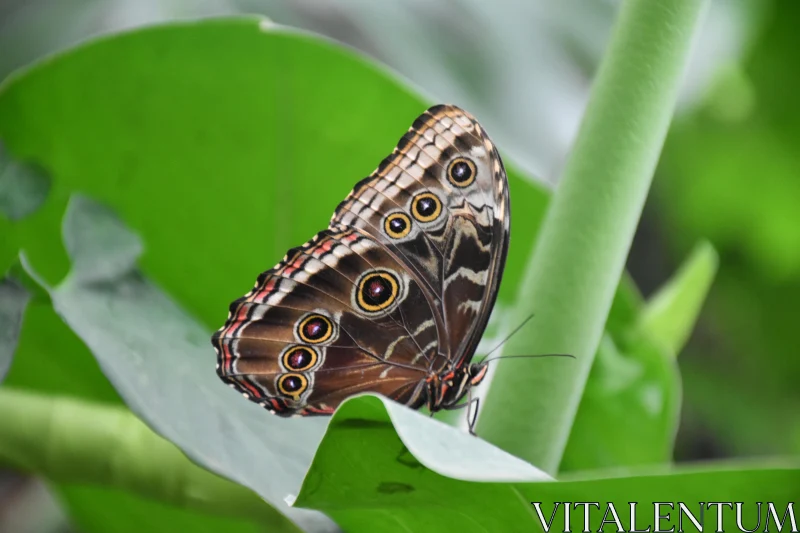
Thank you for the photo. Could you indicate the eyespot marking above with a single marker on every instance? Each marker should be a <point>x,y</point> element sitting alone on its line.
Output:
<point>315,328</point>
<point>461,172</point>
<point>299,358</point>
<point>426,207</point>
<point>292,385</point>
<point>397,225</point>
<point>377,290</point>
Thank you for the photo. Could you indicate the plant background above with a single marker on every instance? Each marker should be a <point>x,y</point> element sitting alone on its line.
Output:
<point>728,172</point>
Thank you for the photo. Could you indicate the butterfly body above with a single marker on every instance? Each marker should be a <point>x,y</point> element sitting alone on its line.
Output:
<point>394,295</point>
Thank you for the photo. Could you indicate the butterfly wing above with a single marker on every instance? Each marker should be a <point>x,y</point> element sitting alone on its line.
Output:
<point>398,288</point>
<point>335,317</point>
<point>440,203</point>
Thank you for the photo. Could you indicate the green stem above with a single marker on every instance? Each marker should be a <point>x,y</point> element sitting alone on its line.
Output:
<point>580,255</point>
<point>72,441</point>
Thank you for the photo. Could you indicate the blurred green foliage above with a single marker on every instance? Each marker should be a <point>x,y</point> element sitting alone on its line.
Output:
<point>731,173</point>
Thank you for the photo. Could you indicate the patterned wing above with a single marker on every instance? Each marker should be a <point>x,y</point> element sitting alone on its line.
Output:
<point>440,204</point>
<point>337,316</point>
<point>398,289</point>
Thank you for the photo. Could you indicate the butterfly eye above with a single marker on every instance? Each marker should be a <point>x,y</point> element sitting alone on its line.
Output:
<point>461,172</point>
<point>299,358</point>
<point>426,207</point>
<point>397,225</point>
<point>477,372</point>
<point>377,291</point>
<point>314,329</point>
<point>292,385</point>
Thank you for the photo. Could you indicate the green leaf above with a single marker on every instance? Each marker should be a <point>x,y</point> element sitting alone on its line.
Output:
<point>275,138</point>
<point>206,150</point>
<point>149,348</point>
<point>446,450</point>
<point>23,186</point>
<point>671,313</point>
<point>634,382</point>
<point>633,385</point>
<point>51,359</point>
<point>580,254</point>
<point>13,300</point>
<point>378,486</point>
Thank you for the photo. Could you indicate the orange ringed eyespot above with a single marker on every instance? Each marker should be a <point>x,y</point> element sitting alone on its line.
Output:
<point>292,385</point>
<point>397,225</point>
<point>299,358</point>
<point>377,291</point>
<point>426,207</point>
<point>315,329</point>
<point>461,172</point>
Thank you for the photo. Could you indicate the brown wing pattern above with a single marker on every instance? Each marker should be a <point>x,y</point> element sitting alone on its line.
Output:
<point>337,316</point>
<point>458,254</point>
<point>398,289</point>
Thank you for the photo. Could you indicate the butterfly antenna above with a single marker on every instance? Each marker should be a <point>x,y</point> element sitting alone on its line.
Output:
<point>507,337</point>
<point>528,356</point>
<point>486,359</point>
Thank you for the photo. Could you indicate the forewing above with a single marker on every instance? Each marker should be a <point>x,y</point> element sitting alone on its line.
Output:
<point>448,227</point>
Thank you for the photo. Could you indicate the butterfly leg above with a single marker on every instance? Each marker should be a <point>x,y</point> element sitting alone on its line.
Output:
<point>474,420</point>
<point>477,402</point>
<point>472,416</point>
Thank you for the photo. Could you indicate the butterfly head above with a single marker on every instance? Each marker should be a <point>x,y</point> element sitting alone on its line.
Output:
<point>446,390</point>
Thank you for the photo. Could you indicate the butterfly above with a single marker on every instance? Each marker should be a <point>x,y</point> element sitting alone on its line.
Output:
<point>394,296</point>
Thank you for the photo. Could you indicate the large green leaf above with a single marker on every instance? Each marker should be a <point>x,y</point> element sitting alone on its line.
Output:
<point>383,488</point>
<point>55,360</point>
<point>156,130</point>
<point>274,127</point>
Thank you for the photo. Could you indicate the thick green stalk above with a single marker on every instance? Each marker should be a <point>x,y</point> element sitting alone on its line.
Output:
<point>579,258</point>
<point>71,441</point>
